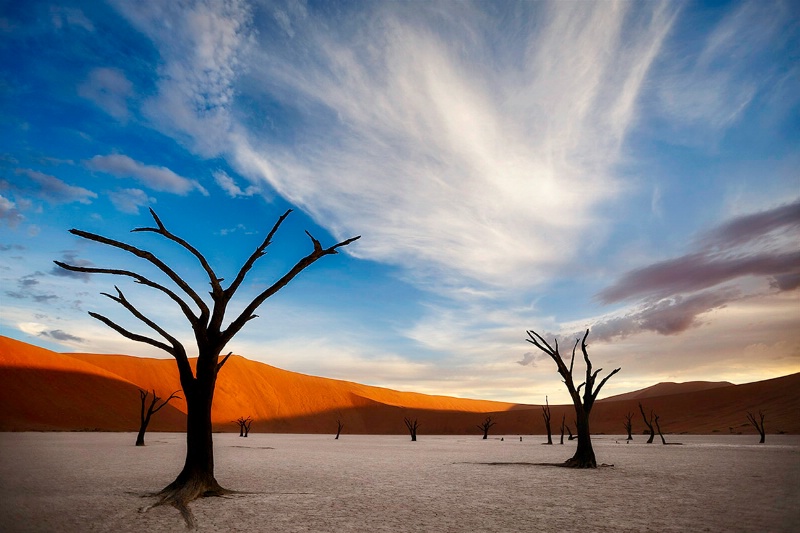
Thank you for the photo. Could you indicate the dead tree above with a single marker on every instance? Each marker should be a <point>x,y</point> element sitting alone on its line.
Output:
<point>244,425</point>
<point>584,454</point>
<point>546,417</point>
<point>648,423</point>
<point>487,424</point>
<point>658,427</point>
<point>758,423</point>
<point>412,426</point>
<point>339,428</point>
<point>211,333</point>
<point>563,427</point>
<point>152,409</point>
<point>571,436</point>
<point>629,425</point>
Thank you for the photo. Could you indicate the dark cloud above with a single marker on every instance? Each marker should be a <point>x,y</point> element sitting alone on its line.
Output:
<point>675,293</point>
<point>71,258</point>
<point>60,335</point>
<point>746,228</point>
<point>668,316</point>
<point>11,247</point>
<point>51,189</point>
<point>697,271</point>
<point>761,244</point>
<point>528,358</point>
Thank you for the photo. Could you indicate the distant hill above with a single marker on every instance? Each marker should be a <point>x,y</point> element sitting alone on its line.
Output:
<point>668,388</point>
<point>43,390</point>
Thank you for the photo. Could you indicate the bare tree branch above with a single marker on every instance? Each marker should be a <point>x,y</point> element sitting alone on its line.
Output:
<point>163,231</point>
<point>148,256</point>
<point>173,396</point>
<point>178,348</point>
<point>187,311</point>
<point>132,336</point>
<point>249,312</point>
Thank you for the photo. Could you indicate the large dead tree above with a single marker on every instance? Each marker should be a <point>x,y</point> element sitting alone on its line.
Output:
<point>486,426</point>
<point>629,425</point>
<point>584,454</point>
<point>648,423</point>
<point>211,333</point>
<point>149,411</point>
<point>546,417</point>
<point>758,424</point>
<point>412,426</point>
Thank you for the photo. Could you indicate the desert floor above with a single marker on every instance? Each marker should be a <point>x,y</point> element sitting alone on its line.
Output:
<point>93,482</point>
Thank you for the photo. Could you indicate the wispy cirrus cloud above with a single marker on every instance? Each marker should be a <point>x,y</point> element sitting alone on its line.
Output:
<point>710,90</point>
<point>154,177</point>
<point>200,44</point>
<point>470,162</point>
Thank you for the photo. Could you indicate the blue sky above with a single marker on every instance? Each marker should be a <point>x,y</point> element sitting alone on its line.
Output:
<point>626,167</point>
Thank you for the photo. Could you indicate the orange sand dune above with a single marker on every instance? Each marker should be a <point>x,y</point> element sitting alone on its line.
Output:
<point>668,388</point>
<point>91,391</point>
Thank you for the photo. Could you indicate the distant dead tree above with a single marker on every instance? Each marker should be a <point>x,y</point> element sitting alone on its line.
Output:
<point>758,423</point>
<point>629,425</point>
<point>563,427</point>
<point>152,409</point>
<point>211,333</point>
<point>487,424</point>
<point>571,436</point>
<point>648,423</point>
<point>412,426</point>
<point>584,454</point>
<point>546,417</point>
<point>339,428</point>
<point>658,427</point>
<point>244,425</point>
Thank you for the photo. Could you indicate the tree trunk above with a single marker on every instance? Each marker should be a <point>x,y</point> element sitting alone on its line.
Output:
<point>196,479</point>
<point>584,454</point>
<point>142,429</point>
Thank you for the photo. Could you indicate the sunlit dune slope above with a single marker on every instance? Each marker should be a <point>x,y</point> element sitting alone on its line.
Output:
<point>44,390</point>
<point>668,388</point>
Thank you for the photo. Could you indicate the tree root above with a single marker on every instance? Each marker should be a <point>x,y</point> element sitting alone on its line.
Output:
<point>180,494</point>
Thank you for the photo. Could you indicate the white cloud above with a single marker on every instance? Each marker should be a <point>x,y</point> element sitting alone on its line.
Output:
<point>153,177</point>
<point>109,89</point>
<point>227,184</point>
<point>200,44</point>
<point>130,200</point>
<point>456,165</point>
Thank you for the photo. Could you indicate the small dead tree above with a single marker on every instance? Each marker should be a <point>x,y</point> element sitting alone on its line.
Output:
<point>584,454</point>
<point>658,427</point>
<point>212,332</point>
<point>244,425</point>
<point>339,428</point>
<point>487,424</point>
<point>571,436</point>
<point>563,426</point>
<point>648,423</point>
<point>629,425</point>
<point>152,409</point>
<point>412,426</point>
<point>758,423</point>
<point>546,417</point>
